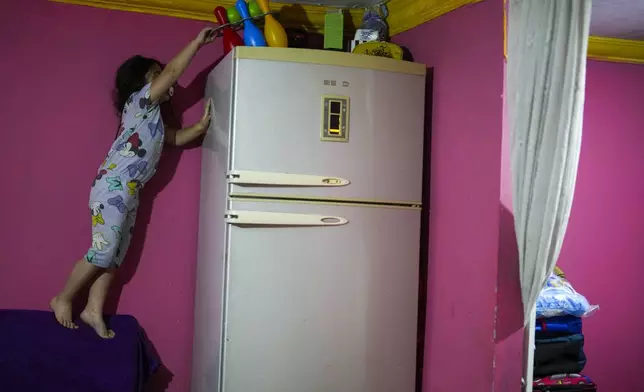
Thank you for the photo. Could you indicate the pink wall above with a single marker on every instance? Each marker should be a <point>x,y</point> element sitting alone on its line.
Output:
<point>509,333</point>
<point>58,64</point>
<point>604,247</point>
<point>465,48</point>
<point>602,252</point>
<point>63,58</point>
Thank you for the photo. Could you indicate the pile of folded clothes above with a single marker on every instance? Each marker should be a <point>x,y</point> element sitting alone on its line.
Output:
<point>559,342</point>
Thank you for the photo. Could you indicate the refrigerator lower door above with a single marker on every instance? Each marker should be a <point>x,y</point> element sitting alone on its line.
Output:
<point>320,307</point>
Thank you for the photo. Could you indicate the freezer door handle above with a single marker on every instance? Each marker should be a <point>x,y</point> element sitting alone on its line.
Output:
<point>240,177</point>
<point>260,218</point>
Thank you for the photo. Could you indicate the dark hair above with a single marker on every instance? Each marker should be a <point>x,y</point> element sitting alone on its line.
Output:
<point>130,78</point>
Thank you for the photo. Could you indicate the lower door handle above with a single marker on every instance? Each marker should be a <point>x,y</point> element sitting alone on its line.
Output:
<point>260,218</point>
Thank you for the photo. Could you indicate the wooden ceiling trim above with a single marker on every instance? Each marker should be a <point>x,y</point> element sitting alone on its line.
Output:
<point>305,17</point>
<point>616,50</point>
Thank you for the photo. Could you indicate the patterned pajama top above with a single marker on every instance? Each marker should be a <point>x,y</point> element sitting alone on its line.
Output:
<point>129,165</point>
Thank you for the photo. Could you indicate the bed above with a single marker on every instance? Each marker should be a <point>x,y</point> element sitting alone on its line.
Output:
<point>37,354</point>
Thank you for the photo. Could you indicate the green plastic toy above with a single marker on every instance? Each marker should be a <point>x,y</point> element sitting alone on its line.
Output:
<point>254,9</point>
<point>233,15</point>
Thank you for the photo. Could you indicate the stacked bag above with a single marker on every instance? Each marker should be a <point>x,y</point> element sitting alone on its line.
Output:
<point>559,342</point>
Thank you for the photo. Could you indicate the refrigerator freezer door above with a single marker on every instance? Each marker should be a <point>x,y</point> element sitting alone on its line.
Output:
<point>289,118</point>
<point>319,309</point>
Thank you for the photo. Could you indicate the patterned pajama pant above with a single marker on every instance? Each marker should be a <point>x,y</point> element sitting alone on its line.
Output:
<point>113,217</point>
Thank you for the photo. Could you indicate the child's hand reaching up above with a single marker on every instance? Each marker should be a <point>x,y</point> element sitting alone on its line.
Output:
<point>206,36</point>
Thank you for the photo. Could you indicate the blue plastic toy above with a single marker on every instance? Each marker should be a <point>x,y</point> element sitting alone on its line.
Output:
<point>253,36</point>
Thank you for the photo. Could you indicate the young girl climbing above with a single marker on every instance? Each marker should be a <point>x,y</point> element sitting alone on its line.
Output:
<point>141,84</point>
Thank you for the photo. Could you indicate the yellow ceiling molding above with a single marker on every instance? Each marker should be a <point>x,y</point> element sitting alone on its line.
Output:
<point>599,48</point>
<point>403,14</point>
<point>407,14</point>
<point>616,50</point>
<point>308,18</point>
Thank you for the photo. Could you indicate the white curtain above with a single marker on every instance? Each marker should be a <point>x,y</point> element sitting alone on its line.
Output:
<point>547,43</point>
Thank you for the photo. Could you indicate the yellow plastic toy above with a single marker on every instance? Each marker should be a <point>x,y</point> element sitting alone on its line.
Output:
<point>273,30</point>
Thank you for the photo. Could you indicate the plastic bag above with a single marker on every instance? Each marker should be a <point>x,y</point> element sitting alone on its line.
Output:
<point>374,20</point>
<point>558,298</point>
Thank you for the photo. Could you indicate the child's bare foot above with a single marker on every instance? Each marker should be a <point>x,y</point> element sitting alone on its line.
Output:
<point>95,320</point>
<point>63,311</point>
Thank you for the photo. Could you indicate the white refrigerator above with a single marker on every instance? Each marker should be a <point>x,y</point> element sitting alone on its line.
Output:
<point>309,227</point>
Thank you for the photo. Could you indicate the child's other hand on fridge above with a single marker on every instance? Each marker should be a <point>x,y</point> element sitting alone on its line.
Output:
<point>205,119</point>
